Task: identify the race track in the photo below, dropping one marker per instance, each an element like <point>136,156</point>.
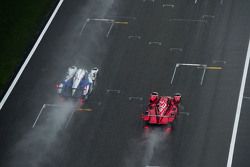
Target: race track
<point>137,45</point>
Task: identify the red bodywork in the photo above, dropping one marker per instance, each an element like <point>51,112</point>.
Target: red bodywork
<point>162,111</point>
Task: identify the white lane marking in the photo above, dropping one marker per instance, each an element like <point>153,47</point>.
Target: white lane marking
<point>30,55</point>
<point>110,21</point>
<point>95,19</point>
<point>238,110</point>
<point>105,20</point>
<point>207,16</point>
<point>84,25</point>
<point>110,28</point>
<point>203,75</point>
<point>43,107</point>
<point>135,98</point>
<point>175,49</point>
<point>149,0</point>
<point>71,115</point>
<point>38,116</point>
<point>219,61</point>
<point>184,113</point>
<point>246,97</point>
<point>204,66</point>
<point>168,5</point>
<point>134,36</point>
<point>195,1</point>
<point>154,42</point>
<point>174,73</point>
<point>53,105</point>
<point>188,20</point>
<point>188,64</point>
<point>113,90</point>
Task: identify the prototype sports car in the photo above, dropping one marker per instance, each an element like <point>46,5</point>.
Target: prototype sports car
<point>162,110</point>
<point>78,83</point>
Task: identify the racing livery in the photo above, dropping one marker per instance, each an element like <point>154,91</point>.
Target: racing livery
<point>162,110</point>
<point>78,83</point>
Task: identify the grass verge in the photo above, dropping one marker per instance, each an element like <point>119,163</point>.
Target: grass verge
<point>20,24</point>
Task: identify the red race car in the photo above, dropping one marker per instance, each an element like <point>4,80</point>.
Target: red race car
<point>162,110</point>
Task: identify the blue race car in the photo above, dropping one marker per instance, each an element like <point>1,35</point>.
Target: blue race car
<point>78,83</point>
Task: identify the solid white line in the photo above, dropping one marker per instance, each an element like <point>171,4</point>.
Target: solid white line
<point>38,116</point>
<point>30,55</point>
<point>238,111</point>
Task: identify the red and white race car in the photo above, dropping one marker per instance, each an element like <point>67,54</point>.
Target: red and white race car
<point>162,110</point>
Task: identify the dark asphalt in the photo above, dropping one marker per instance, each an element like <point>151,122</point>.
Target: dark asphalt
<point>112,135</point>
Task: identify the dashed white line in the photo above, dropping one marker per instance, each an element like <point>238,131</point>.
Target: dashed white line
<point>154,42</point>
<point>135,98</point>
<point>30,55</point>
<point>113,90</point>
<point>175,49</point>
<point>168,5</point>
<point>238,110</point>
<point>208,16</point>
<point>134,36</point>
<point>220,61</point>
<point>149,0</point>
<point>246,97</point>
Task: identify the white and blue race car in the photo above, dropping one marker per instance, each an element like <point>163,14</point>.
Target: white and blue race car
<point>78,83</point>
